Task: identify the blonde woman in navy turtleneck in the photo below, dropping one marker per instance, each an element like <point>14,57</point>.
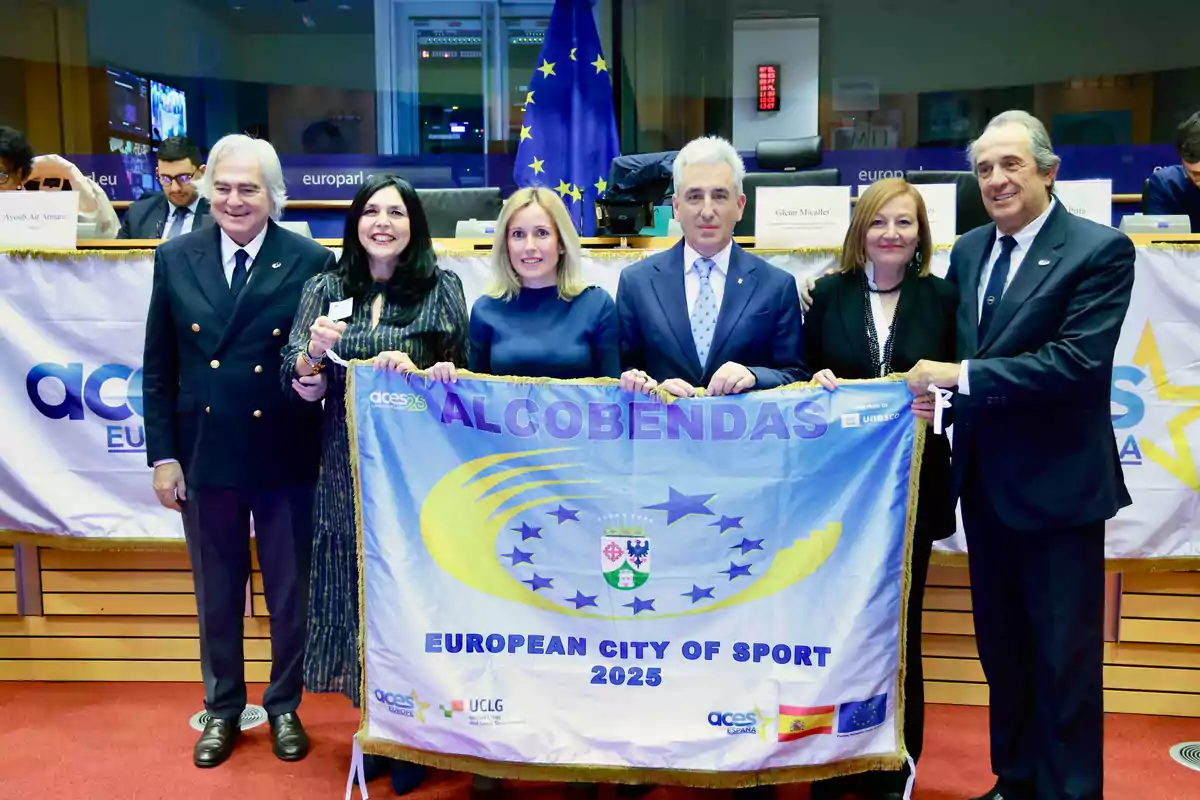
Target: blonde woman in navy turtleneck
<point>538,318</point>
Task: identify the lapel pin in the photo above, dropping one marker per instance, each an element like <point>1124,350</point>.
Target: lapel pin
<point>739,281</point>
<point>277,265</point>
<point>1044,262</point>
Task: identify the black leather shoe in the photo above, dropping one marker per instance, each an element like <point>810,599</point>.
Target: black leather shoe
<point>831,788</point>
<point>581,791</point>
<point>291,742</point>
<point>1002,792</point>
<point>484,788</point>
<point>216,743</point>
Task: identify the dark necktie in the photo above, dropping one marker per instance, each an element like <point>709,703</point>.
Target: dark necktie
<point>240,274</point>
<point>177,222</point>
<point>995,285</point>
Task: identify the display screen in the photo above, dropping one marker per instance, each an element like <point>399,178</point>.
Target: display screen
<point>768,87</point>
<point>137,160</point>
<point>128,103</point>
<point>168,111</point>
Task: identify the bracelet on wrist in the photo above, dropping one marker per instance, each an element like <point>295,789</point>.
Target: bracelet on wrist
<point>316,365</point>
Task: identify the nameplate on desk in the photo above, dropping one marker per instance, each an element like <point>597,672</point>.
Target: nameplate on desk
<point>801,216</point>
<point>1088,199</point>
<point>39,220</point>
<point>941,205</point>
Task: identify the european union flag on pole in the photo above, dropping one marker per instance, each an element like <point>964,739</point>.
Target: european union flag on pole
<point>862,715</point>
<point>569,131</point>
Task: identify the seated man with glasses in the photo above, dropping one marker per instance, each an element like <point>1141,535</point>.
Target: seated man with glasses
<point>21,171</point>
<point>179,208</point>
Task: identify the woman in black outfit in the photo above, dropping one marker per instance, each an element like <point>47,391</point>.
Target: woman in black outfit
<point>881,313</point>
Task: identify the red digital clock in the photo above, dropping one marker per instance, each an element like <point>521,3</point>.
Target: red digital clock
<point>768,87</point>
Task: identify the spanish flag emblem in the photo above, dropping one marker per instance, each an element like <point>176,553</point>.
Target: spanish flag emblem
<point>796,722</point>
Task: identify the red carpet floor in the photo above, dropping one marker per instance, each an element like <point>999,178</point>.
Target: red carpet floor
<point>131,742</point>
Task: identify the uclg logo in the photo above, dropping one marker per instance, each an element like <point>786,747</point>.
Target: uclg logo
<point>1129,389</point>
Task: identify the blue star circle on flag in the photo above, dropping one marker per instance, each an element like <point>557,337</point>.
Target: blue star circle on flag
<point>671,574</point>
<point>680,505</point>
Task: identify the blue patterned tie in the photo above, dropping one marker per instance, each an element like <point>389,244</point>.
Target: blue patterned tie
<point>177,222</point>
<point>704,311</point>
<point>995,285</point>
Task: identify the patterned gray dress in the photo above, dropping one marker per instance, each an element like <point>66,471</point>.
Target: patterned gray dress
<point>435,331</point>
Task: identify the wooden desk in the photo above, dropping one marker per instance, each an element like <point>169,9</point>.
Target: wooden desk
<point>589,243</point>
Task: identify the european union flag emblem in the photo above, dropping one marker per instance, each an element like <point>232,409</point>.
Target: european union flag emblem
<point>569,130</point>
<point>862,715</point>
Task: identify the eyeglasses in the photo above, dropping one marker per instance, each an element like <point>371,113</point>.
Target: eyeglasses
<point>182,180</point>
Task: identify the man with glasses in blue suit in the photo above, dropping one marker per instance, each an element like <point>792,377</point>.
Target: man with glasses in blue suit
<point>179,208</point>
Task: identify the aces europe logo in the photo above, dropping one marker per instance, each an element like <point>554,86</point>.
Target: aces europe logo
<point>112,392</point>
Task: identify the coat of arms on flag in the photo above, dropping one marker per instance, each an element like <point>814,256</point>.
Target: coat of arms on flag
<point>625,557</point>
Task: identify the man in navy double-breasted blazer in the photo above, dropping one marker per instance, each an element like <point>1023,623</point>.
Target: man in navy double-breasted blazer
<point>226,442</point>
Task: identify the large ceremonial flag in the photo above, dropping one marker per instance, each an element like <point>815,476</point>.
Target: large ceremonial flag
<point>564,580</point>
<point>569,131</point>
<point>72,465</point>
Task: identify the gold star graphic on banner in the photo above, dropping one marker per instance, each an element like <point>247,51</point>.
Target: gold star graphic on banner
<point>1182,465</point>
<point>547,68</point>
<point>529,98</point>
<point>575,193</point>
<point>600,65</point>
<point>563,189</point>
<point>526,132</point>
<point>419,711</point>
<point>536,166</point>
<point>573,49</point>
<point>601,185</point>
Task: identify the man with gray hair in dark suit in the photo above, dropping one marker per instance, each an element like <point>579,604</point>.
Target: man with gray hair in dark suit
<point>1042,298</point>
<point>224,439</point>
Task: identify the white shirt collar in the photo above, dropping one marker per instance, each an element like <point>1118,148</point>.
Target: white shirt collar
<point>173,209</point>
<point>1026,235</point>
<point>229,247</point>
<point>869,269</point>
<point>720,259</point>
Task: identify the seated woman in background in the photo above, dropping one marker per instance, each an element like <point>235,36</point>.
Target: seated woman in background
<point>881,313</point>
<point>20,170</point>
<point>538,319</point>
<point>406,314</point>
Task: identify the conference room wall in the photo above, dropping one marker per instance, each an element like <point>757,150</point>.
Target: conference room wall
<point>792,45</point>
<point>931,45</point>
<point>326,60</point>
<point>161,37</point>
<point>918,47</point>
<point>35,22</point>
<point>291,110</point>
<point>12,98</point>
<point>1046,59</point>
<point>1176,97</point>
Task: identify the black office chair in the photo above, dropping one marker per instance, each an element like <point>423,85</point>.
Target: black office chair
<point>791,162</point>
<point>445,207</point>
<point>636,184</point>
<point>969,209</point>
